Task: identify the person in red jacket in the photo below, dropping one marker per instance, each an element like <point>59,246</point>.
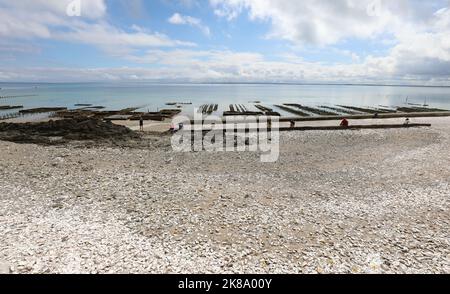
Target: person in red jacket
<point>344,123</point>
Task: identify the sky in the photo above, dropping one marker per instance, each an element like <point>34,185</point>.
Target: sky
<point>276,41</point>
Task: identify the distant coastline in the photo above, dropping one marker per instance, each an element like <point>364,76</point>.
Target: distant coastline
<point>333,84</point>
<point>228,83</point>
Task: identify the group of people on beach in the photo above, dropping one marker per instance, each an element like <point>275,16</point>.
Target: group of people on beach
<point>172,129</point>
<point>344,123</point>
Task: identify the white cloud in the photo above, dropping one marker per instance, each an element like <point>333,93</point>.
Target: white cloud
<point>108,37</point>
<point>227,66</point>
<point>181,65</point>
<point>419,31</point>
<point>91,9</point>
<point>323,22</point>
<point>47,19</point>
<point>178,19</point>
<point>195,58</point>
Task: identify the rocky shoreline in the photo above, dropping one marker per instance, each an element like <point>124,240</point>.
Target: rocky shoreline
<point>55,132</point>
<point>369,201</point>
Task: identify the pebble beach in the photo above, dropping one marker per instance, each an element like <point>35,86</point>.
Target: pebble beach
<point>366,201</point>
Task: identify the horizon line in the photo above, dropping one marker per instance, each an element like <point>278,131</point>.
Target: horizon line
<point>233,83</point>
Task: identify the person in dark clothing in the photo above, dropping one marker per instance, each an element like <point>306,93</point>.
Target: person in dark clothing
<point>407,122</point>
<point>141,124</point>
<point>292,124</point>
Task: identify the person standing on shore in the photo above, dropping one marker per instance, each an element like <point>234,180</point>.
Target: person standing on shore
<point>141,124</point>
<point>344,123</point>
<point>407,122</point>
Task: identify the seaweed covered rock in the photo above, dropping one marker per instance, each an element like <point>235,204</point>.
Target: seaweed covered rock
<point>64,130</point>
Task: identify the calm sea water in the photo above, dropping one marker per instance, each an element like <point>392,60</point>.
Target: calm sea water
<point>153,97</point>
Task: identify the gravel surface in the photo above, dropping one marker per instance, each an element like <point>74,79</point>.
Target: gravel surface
<point>370,201</point>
